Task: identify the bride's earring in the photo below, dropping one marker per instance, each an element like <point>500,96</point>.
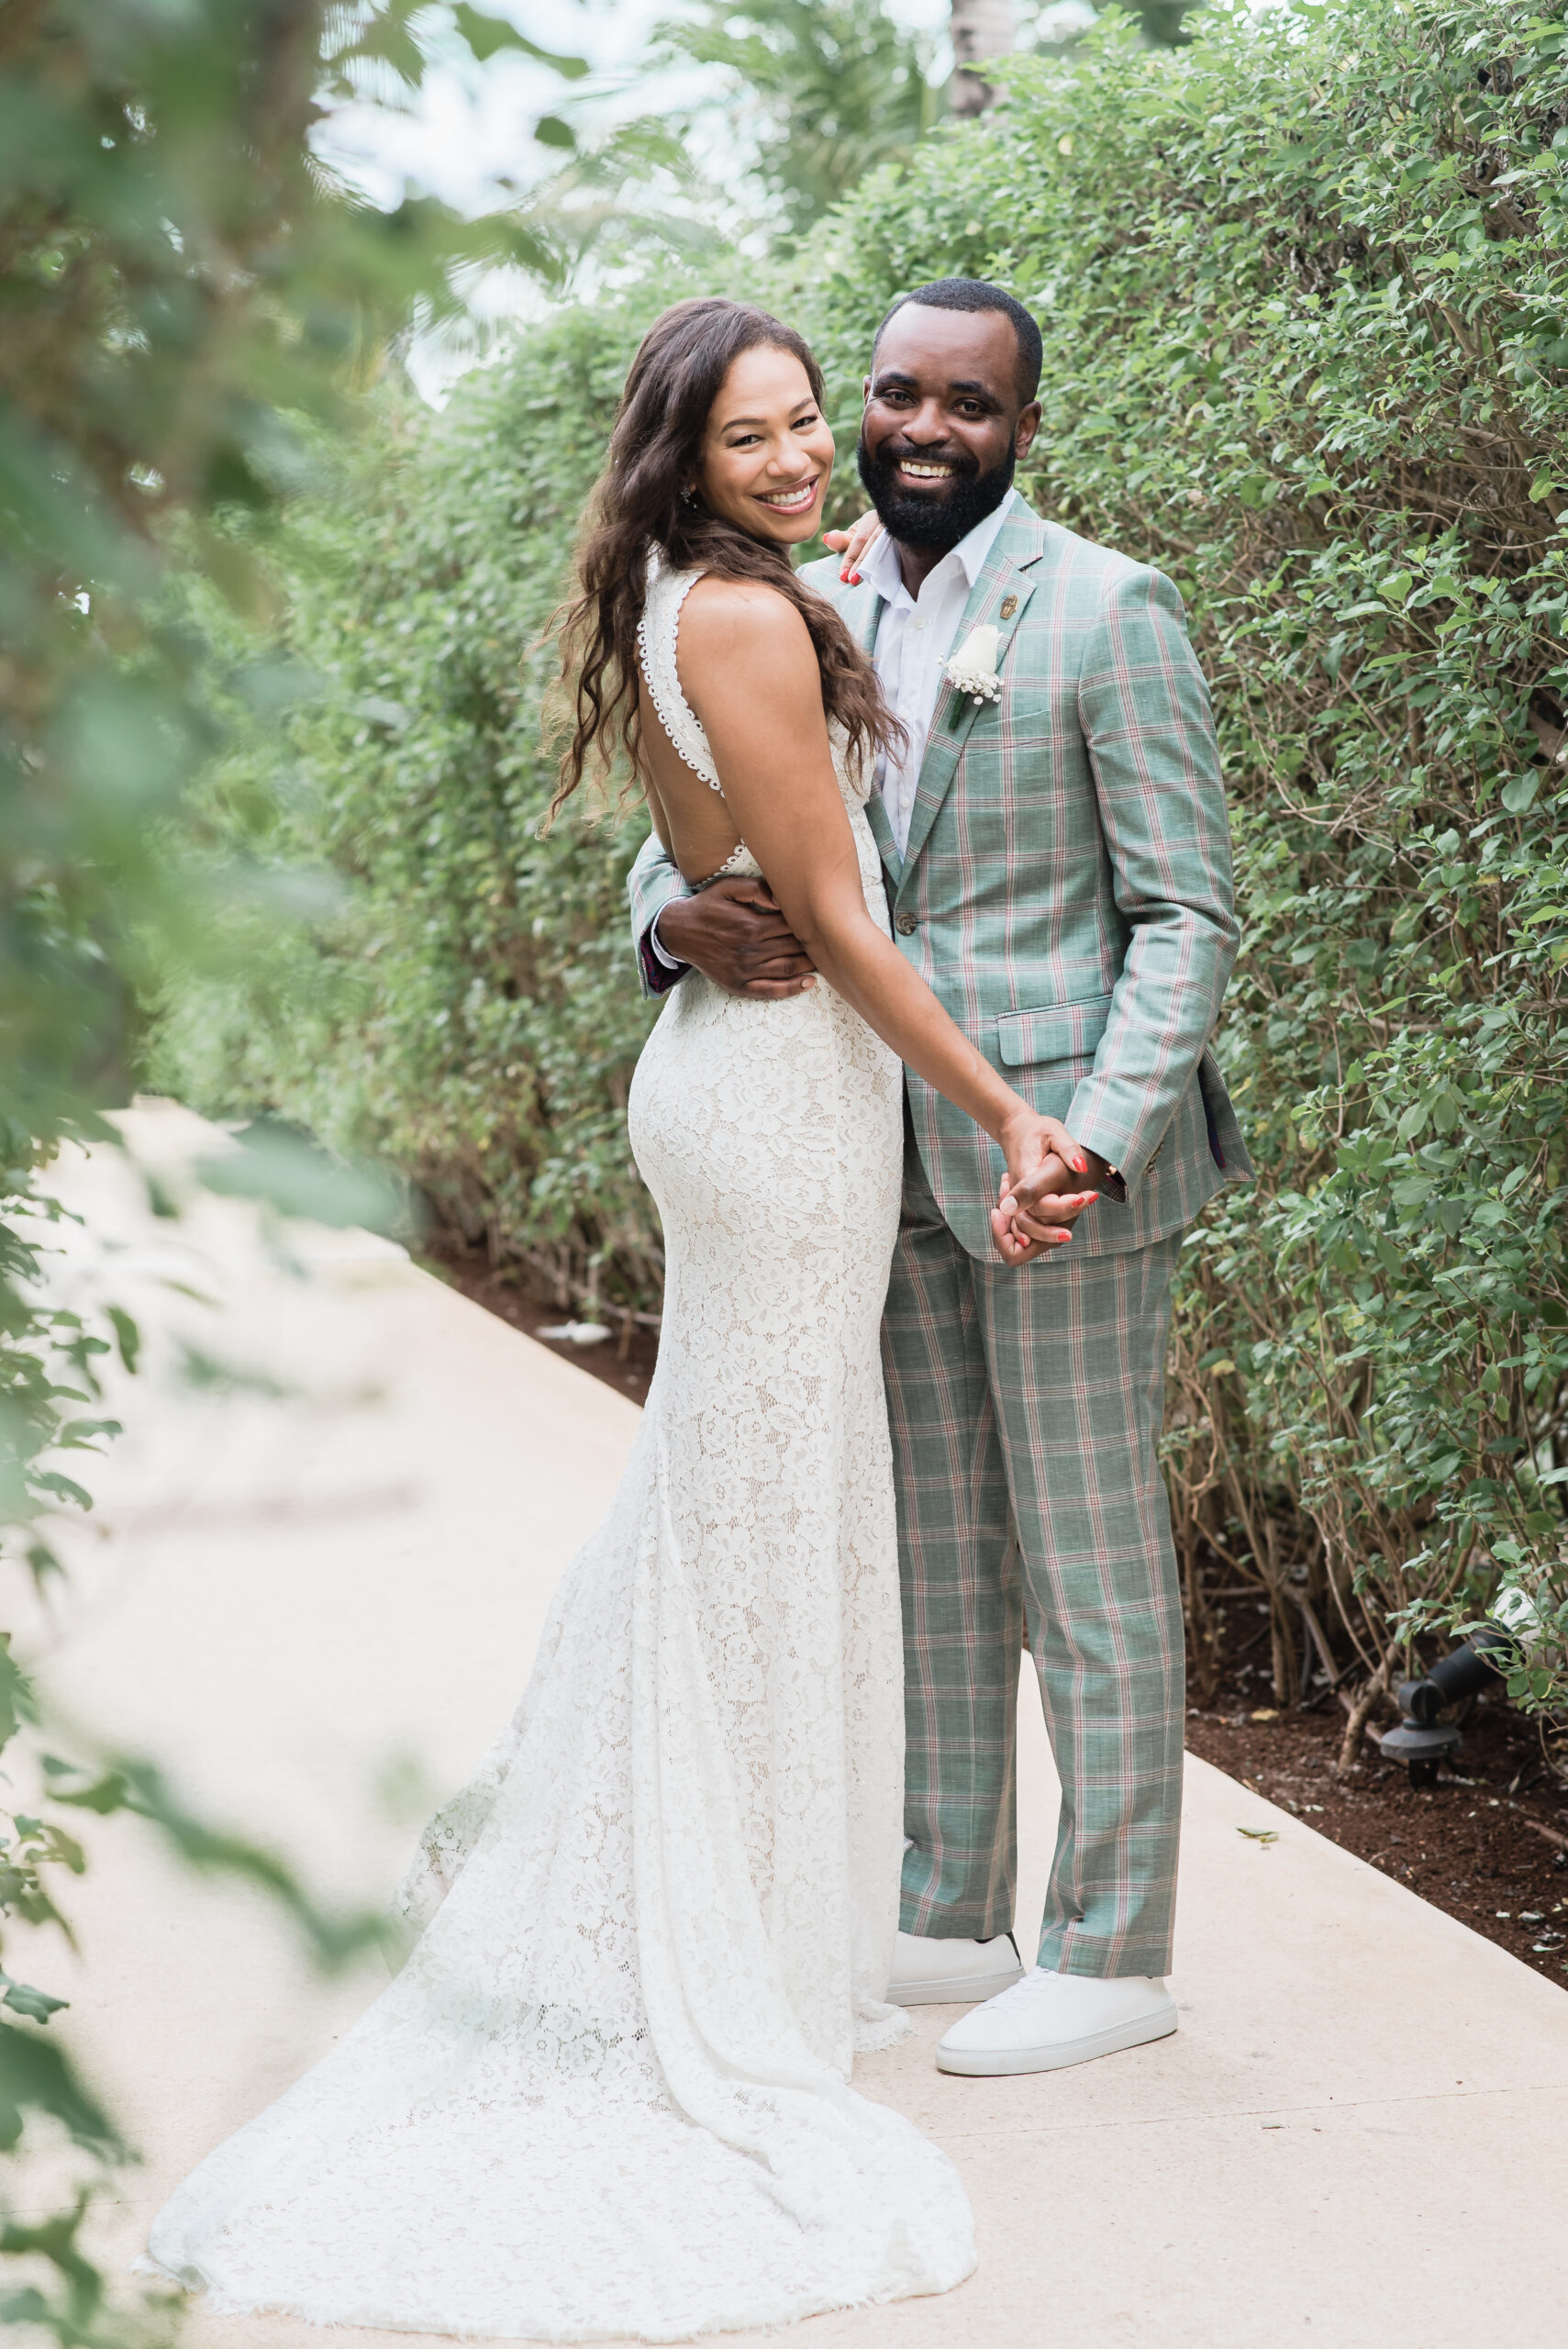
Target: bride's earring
<point>688,495</point>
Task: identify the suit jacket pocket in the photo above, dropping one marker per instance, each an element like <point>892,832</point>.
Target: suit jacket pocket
<point>1063,1031</point>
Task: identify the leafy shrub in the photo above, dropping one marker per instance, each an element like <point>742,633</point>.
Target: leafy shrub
<point>175,286</point>
<point>466,1009</point>
<point>1303,292</point>
<point>1306,320</point>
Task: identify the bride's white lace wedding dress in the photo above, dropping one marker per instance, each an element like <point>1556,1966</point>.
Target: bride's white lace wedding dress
<point>607,2094</point>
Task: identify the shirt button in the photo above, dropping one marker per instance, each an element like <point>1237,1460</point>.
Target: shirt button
<point>906,925</point>
<point>918,621</point>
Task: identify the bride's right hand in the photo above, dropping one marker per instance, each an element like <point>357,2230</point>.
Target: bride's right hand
<point>854,545</point>
<point>1042,1159</point>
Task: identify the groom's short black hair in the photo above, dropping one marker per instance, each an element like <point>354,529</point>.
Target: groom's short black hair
<point>979,294</point>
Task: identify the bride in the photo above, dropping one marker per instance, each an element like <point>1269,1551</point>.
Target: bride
<point>608,2092</point>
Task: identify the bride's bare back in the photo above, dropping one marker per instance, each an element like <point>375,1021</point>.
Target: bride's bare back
<point>689,812</point>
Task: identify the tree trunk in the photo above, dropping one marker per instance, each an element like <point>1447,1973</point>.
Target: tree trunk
<point>980,28</point>
<point>1360,1712</point>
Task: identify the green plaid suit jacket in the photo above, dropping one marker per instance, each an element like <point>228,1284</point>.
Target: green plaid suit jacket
<point>1066,891</point>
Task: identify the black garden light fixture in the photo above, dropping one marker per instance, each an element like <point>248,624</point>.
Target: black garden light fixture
<point>1421,1740</point>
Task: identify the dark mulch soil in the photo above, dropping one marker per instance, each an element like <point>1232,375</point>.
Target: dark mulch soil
<point>628,1368</point>
<point>1465,1844</point>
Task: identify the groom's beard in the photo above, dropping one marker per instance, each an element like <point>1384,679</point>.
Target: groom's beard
<point>921,520</point>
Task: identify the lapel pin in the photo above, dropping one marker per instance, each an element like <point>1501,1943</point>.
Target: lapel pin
<point>1009,606</point>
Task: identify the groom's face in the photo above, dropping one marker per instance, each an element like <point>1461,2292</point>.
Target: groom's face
<point>944,422</point>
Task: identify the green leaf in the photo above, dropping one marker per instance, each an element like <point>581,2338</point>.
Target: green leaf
<point>550,131</point>
<point>289,1173</point>
<point>37,2075</point>
<point>127,1334</point>
<point>36,2004</point>
<point>15,1693</point>
<point>1519,792</point>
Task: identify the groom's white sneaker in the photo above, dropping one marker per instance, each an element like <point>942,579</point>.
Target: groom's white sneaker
<point>1047,2021</point>
<point>946,1974</point>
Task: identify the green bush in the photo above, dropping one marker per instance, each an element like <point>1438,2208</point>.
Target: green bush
<point>1303,295</point>
<point>1305,319</point>
<point>177,286</point>
<point>466,1008</point>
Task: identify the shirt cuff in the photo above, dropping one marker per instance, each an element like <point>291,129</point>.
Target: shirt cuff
<point>670,961</point>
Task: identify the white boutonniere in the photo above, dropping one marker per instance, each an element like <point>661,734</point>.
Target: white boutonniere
<point>972,668</point>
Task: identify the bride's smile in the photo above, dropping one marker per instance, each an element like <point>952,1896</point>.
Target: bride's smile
<point>767,454</point>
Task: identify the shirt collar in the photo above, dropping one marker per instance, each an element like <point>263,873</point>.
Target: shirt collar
<point>881,572</point>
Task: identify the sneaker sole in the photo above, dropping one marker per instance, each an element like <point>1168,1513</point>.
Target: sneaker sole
<point>954,1989</point>
<point>1002,2061</point>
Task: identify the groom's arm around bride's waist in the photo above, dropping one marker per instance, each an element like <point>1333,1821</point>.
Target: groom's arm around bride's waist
<point>742,941</point>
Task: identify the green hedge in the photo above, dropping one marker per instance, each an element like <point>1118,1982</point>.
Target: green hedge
<point>465,1008</point>
<point>1305,318</point>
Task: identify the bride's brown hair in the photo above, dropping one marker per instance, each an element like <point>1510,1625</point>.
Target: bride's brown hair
<point>637,505</point>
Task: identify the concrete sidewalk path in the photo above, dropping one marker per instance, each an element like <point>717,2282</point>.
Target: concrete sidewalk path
<point>317,1571</point>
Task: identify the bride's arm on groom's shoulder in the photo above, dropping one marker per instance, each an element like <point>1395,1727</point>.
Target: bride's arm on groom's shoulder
<point>749,670</point>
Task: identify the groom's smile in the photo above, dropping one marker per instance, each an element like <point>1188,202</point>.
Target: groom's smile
<point>946,419</point>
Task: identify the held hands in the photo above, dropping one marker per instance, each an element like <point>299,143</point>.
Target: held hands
<point>1036,1204</point>
<point>854,545</point>
<point>736,935</point>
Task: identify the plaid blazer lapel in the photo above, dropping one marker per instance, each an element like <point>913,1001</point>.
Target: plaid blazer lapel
<point>860,608</point>
<point>882,833</point>
<point>1020,543</point>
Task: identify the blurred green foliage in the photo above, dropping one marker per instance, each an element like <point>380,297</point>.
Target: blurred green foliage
<point>182,290</point>
<point>463,1009</point>
<point>1305,305</point>
<point>819,93</point>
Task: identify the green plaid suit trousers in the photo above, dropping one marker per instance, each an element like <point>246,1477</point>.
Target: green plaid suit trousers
<point>1025,1411</point>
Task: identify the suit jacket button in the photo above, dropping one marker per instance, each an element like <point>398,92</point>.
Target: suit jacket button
<point>906,925</point>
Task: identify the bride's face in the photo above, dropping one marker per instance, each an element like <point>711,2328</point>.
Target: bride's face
<point>767,454</point>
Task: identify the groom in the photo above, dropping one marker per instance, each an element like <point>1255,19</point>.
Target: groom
<point>1058,869</point>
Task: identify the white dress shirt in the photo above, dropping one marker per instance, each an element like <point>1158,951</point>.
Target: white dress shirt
<point>914,638</point>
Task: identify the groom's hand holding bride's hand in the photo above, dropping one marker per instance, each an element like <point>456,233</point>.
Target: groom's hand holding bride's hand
<point>1041,1196</point>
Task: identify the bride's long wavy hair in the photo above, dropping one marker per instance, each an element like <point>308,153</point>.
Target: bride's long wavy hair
<point>637,505</point>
